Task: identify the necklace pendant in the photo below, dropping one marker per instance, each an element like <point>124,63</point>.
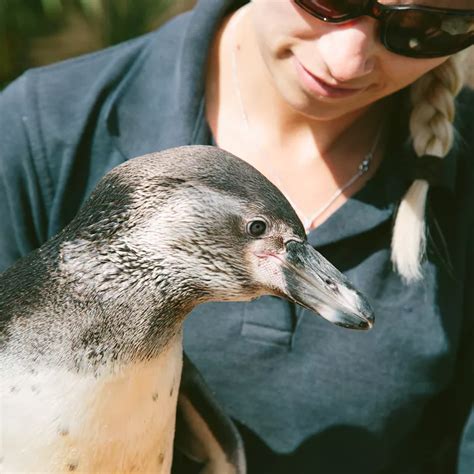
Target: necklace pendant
<point>364,166</point>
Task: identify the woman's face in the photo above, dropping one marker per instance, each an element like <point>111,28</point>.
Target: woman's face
<point>327,70</point>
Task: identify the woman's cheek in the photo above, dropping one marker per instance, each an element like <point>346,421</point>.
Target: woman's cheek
<point>399,71</point>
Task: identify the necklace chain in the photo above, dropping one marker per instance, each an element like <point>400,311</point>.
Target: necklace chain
<point>363,167</point>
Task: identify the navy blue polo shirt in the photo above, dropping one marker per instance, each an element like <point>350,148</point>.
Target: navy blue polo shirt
<point>307,396</point>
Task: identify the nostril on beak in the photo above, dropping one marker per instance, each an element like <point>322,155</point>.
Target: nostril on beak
<point>331,285</point>
<point>292,241</point>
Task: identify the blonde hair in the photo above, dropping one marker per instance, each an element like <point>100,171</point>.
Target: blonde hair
<point>431,129</point>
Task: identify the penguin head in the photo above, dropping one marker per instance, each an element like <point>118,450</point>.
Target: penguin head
<point>196,224</point>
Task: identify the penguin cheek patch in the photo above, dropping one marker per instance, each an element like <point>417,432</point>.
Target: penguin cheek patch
<point>267,271</point>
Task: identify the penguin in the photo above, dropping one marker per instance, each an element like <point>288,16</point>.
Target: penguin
<point>91,322</point>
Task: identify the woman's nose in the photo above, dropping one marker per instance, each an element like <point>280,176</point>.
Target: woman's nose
<point>348,50</point>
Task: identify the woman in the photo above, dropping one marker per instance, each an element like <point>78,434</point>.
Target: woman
<point>348,107</point>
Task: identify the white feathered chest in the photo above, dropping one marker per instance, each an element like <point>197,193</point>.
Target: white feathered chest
<point>59,421</point>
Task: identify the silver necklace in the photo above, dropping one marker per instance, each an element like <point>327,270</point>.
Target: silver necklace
<point>363,167</point>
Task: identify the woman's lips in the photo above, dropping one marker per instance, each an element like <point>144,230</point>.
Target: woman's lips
<point>319,87</point>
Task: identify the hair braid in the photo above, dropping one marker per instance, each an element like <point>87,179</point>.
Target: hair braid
<point>431,128</point>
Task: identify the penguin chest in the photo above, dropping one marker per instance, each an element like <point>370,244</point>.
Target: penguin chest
<point>124,421</point>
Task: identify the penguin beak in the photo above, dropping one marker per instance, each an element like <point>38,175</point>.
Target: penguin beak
<point>314,283</point>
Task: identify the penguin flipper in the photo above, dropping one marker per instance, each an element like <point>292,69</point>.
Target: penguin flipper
<point>204,433</point>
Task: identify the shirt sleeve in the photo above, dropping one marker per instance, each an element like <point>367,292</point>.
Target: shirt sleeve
<point>466,385</point>
<point>24,182</point>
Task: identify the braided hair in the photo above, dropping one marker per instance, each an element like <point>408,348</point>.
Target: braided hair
<point>431,129</point>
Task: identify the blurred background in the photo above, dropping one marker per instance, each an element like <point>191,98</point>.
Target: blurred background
<point>38,32</point>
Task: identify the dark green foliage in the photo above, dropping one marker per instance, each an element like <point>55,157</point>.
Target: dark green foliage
<point>36,32</point>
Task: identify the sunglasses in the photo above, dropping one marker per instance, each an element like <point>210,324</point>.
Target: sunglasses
<point>410,30</point>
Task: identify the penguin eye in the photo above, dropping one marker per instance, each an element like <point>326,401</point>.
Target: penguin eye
<point>256,228</point>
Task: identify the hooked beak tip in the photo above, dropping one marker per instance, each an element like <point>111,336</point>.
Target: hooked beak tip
<point>358,314</point>
<point>363,324</point>
<point>346,318</point>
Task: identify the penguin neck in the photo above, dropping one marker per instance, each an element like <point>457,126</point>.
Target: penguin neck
<point>139,314</point>
<point>129,333</point>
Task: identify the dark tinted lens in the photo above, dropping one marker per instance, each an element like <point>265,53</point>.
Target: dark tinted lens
<point>424,34</point>
<point>334,10</point>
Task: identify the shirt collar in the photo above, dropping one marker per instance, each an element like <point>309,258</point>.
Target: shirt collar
<point>159,104</point>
